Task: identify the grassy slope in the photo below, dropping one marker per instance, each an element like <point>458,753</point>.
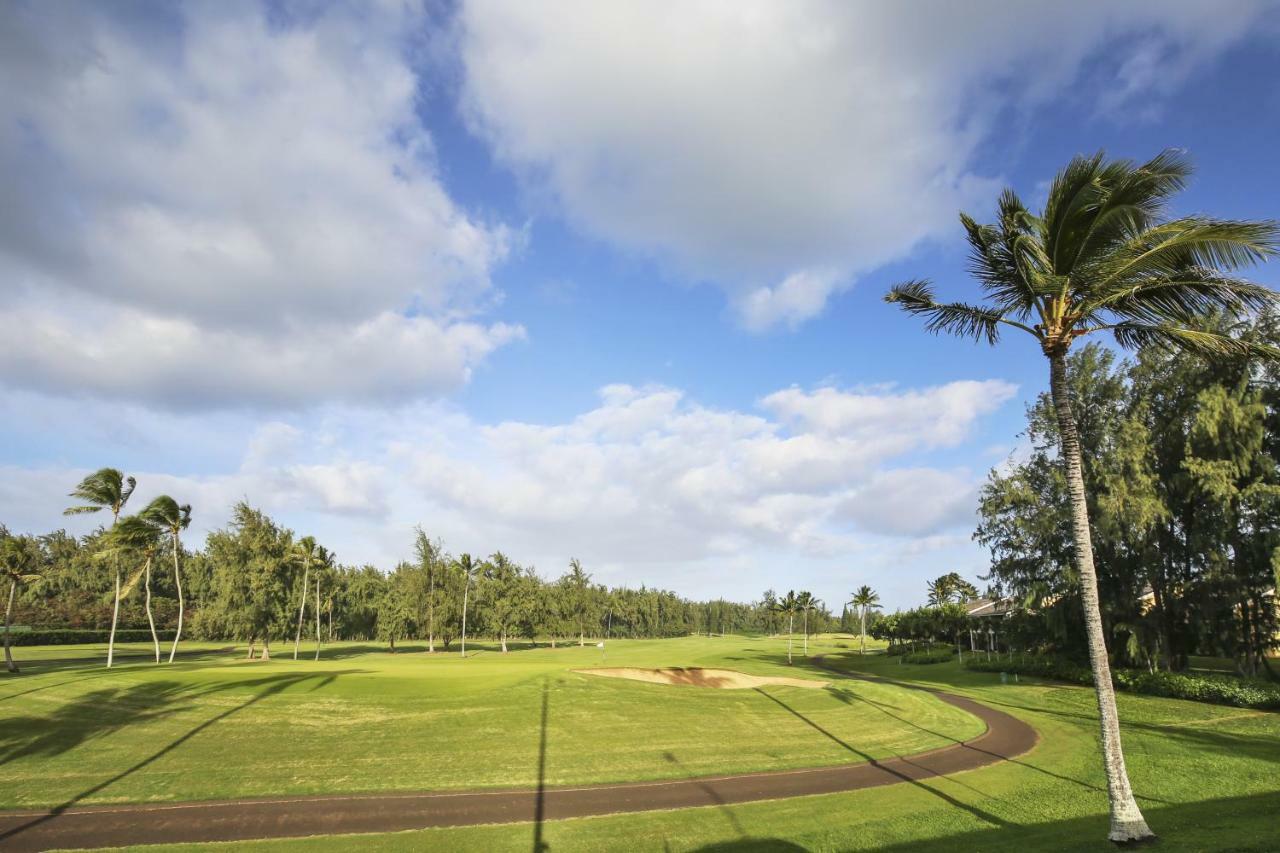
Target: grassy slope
<point>1206,777</point>
<point>359,720</point>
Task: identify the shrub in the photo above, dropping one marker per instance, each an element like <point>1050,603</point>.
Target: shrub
<point>73,636</point>
<point>1198,687</point>
<point>942,656</point>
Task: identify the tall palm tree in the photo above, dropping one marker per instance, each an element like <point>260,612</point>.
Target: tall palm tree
<point>864,599</point>
<point>806,602</point>
<point>105,488</point>
<point>789,604</point>
<point>309,554</point>
<point>171,518</point>
<point>469,568</point>
<point>135,536</point>
<point>19,564</point>
<point>1104,255</point>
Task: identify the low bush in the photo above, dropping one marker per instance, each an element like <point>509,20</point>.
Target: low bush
<point>1198,687</point>
<point>73,636</point>
<point>942,656</point>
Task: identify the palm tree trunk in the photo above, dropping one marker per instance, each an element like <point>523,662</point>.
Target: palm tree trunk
<point>266,649</point>
<point>466,590</point>
<point>317,618</point>
<point>862,637</point>
<point>155,638</point>
<point>8,614</point>
<point>504,641</point>
<point>1127,823</point>
<point>302,607</point>
<point>791,629</point>
<point>115,619</point>
<point>177,582</point>
<point>431,614</point>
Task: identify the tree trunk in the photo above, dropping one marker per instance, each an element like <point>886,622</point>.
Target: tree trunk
<point>317,618</point>
<point>791,629</point>
<point>862,637</point>
<point>331,620</point>
<point>806,633</point>
<point>504,641</point>
<point>115,619</point>
<point>250,655</point>
<point>431,613</point>
<point>582,637</point>
<point>177,582</point>
<point>466,590</point>
<point>8,614</point>
<point>1127,823</point>
<point>155,638</point>
<point>266,649</point>
<point>302,608</point>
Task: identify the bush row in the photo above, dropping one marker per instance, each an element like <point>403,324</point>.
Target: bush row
<point>942,656</point>
<point>72,636</point>
<point>1199,687</point>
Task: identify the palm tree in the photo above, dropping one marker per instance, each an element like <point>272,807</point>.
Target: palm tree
<point>19,564</point>
<point>309,554</point>
<point>171,518</point>
<point>788,605</point>
<point>806,602</point>
<point>1104,256</point>
<point>105,488</point>
<point>134,535</point>
<point>468,567</point>
<point>864,599</point>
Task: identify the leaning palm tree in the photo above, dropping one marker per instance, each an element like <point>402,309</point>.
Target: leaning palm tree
<point>865,599</point>
<point>1104,255</point>
<point>171,518</point>
<point>469,569</point>
<point>110,489</point>
<point>789,604</point>
<point>19,564</point>
<point>134,536</point>
<point>309,554</point>
<point>806,602</point>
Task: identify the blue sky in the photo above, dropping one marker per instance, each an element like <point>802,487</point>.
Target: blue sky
<point>601,280</point>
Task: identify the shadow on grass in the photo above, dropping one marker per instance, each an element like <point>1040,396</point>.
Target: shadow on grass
<point>104,712</point>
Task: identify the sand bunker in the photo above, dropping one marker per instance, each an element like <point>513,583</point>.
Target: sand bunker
<point>697,677</point>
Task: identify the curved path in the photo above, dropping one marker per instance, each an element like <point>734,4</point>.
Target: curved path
<point>238,820</point>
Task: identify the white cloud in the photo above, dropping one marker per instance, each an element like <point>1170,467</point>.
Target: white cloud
<point>221,208</point>
<point>780,149</point>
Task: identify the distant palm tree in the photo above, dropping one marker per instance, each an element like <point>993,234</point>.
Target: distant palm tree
<point>789,604</point>
<point>864,599</point>
<point>19,564</point>
<point>171,518</point>
<point>309,554</point>
<point>105,488</point>
<point>1104,256</point>
<point>469,568</point>
<point>806,602</point>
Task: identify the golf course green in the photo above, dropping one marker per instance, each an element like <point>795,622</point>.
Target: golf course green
<point>215,726</point>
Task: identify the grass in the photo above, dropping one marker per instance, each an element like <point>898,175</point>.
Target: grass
<point>216,726</point>
<point>1206,776</point>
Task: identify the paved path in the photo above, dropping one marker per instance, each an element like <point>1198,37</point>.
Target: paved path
<point>107,826</point>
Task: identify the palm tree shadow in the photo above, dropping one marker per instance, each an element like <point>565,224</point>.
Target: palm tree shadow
<point>710,792</point>
<point>161,692</point>
<point>981,814</point>
<point>539,809</point>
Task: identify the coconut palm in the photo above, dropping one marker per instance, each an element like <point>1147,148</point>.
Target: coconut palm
<point>806,602</point>
<point>133,535</point>
<point>789,604</point>
<point>865,599</point>
<point>1103,255</point>
<point>171,518</point>
<point>308,554</point>
<point>19,564</point>
<point>469,568</point>
<point>105,488</point>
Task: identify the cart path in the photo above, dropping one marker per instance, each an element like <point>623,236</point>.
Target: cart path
<point>282,817</point>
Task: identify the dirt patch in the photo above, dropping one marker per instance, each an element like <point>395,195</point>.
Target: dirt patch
<point>697,677</point>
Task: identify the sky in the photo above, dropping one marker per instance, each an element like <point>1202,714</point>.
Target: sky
<point>565,279</point>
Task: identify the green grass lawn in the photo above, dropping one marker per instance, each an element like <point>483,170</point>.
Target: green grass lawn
<point>1208,777</point>
<point>361,719</point>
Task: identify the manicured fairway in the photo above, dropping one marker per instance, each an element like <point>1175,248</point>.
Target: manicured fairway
<point>363,720</point>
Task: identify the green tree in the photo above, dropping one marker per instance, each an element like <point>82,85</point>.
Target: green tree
<point>469,569</point>
<point>171,518</point>
<point>134,536</point>
<point>20,563</point>
<point>788,605</point>
<point>865,599</point>
<point>106,488</point>
<point>578,585</point>
<point>806,602</point>
<point>1103,256</point>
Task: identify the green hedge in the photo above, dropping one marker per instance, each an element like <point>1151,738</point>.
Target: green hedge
<point>1198,687</point>
<point>930,657</point>
<point>74,636</point>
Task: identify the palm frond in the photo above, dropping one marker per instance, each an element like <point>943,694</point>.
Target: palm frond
<point>1170,247</point>
<point>966,321</point>
<point>1198,341</point>
<point>1193,293</point>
